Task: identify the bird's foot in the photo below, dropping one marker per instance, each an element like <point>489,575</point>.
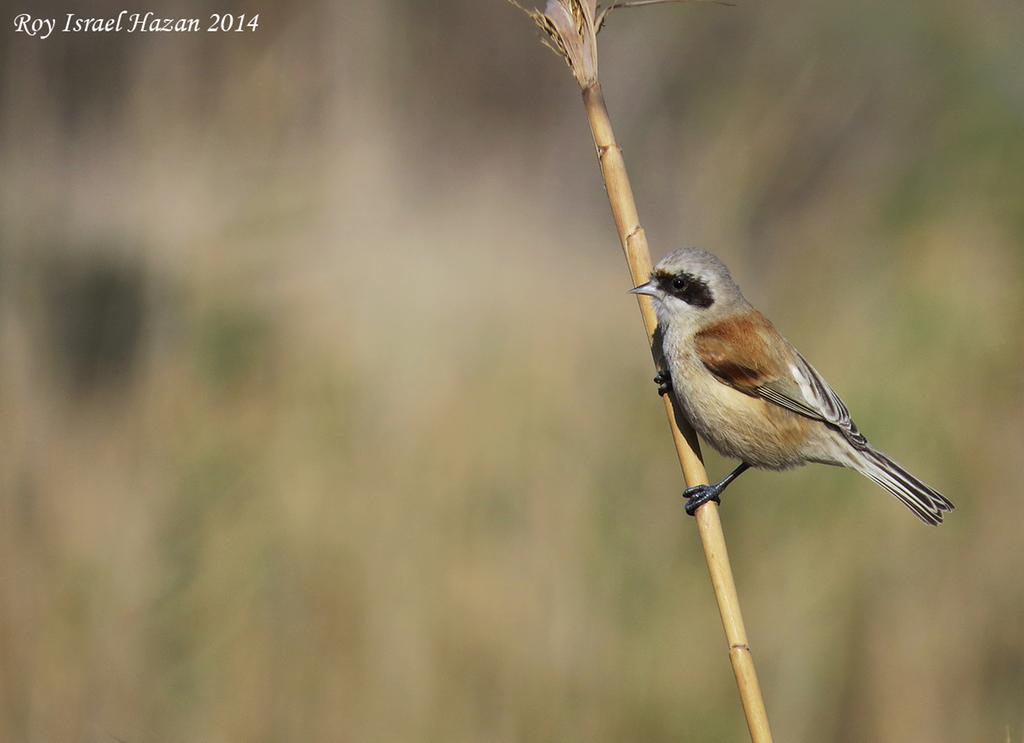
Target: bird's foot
<point>664,382</point>
<point>698,495</point>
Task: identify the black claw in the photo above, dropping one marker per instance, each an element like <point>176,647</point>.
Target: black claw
<point>664,382</point>
<point>698,495</point>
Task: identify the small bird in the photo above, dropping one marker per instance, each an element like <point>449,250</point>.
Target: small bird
<point>749,393</point>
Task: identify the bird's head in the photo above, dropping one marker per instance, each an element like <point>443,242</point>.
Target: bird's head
<point>692,286</point>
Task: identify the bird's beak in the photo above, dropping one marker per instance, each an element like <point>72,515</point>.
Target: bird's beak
<point>648,289</point>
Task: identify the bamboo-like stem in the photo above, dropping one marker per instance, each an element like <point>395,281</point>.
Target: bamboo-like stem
<point>571,27</point>
<point>634,244</point>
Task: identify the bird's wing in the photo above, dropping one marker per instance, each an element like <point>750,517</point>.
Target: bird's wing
<point>747,353</point>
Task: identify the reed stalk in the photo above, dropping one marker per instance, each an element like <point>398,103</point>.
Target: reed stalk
<point>571,28</point>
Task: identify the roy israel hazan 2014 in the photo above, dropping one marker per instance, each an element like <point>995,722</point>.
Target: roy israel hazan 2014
<point>125,21</point>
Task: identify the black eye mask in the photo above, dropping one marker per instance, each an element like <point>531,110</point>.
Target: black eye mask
<point>685,286</point>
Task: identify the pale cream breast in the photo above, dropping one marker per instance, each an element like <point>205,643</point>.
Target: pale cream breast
<point>737,425</point>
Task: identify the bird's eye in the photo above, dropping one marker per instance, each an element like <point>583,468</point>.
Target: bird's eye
<point>678,283</point>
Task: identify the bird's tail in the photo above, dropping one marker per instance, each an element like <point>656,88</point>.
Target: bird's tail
<point>926,503</point>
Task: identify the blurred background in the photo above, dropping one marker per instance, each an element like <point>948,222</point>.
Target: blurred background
<point>325,414</point>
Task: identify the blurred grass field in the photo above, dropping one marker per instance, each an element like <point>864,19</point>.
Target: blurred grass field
<point>325,415</point>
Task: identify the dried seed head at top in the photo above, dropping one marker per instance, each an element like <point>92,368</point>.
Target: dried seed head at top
<point>571,27</point>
